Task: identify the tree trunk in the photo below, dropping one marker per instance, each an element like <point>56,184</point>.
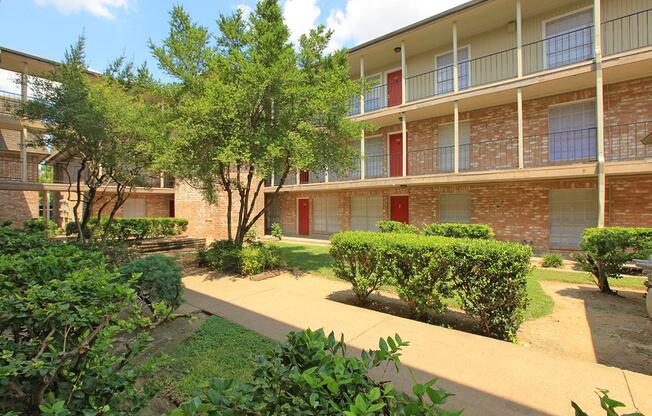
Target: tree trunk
<point>603,284</point>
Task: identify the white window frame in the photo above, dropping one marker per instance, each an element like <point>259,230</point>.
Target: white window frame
<point>367,170</point>
<point>468,48</point>
<point>544,35</point>
<point>369,227</point>
<point>468,156</point>
<point>330,216</point>
<point>379,77</point>
<point>550,216</point>
<point>551,133</point>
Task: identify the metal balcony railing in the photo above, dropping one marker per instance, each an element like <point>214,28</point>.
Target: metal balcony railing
<point>626,33</point>
<point>9,102</point>
<point>624,141</point>
<point>383,165</point>
<point>376,98</point>
<point>558,50</point>
<point>560,148</point>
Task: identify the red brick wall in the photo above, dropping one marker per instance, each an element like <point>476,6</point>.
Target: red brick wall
<point>629,201</point>
<point>18,206</point>
<point>156,205</point>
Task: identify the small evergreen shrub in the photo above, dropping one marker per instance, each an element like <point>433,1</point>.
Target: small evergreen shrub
<point>277,232</point>
<point>481,231</point>
<point>134,228</point>
<point>252,259</point>
<point>157,279</point>
<point>312,374</point>
<point>552,260</point>
<point>40,225</point>
<point>606,250</point>
<point>389,226</point>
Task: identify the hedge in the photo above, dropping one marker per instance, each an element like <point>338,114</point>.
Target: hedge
<point>135,228</point>
<point>481,231</point>
<point>605,251</point>
<point>390,226</point>
<point>487,277</point>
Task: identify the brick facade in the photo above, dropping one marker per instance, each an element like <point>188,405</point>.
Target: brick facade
<point>18,206</point>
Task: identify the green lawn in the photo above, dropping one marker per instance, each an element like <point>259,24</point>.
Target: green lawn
<point>315,259</point>
<point>218,349</point>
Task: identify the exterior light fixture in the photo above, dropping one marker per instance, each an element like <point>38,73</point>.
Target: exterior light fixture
<point>397,49</point>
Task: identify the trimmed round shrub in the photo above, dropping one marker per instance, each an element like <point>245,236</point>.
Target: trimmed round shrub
<point>552,260</point>
<point>390,226</point>
<point>158,279</point>
<point>481,231</point>
<point>225,256</point>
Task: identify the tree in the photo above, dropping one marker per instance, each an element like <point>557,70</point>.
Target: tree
<point>248,105</point>
<point>106,126</point>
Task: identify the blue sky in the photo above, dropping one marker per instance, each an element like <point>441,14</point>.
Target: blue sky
<point>114,27</point>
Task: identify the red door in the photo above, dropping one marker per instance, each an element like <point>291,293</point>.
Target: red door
<point>172,208</point>
<point>396,154</point>
<point>304,176</point>
<point>400,209</point>
<point>304,216</point>
<point>394,88</point>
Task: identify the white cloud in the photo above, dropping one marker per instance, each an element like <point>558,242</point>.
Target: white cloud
<point>100,8</point>
<point>300,16</point>
<point>245,8</point>
<point>361,20</point>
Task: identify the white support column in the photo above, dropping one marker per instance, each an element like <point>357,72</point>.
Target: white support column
<point>456,134</point>
<point>326,176</point>
<point>298,175</point>
<point>362,79</point>
<point>161,180</point>
<point>519,40</point>
<point>46,205</point>
<point>404,143</point>
<point>23,131</point>
<point>362,162</point>
<point>272,180</point>
<point>519,110</point>
<point>456,86</point>
<point>403,73</point>
<point>599,104</point>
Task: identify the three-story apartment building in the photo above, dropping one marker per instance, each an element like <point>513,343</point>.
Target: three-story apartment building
<point>526,115</point>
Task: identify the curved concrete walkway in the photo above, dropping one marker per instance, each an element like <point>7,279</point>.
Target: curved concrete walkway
<point>488,377</point>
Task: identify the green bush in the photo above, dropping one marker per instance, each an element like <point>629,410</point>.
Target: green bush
<point>277,232</point>
<point>254,258</point>
<point>609,405</point>
<point>480,231</point>
<point>552,260</point>
<point>606,250</point>
<point>158,280</point>
<point>64,318</point>
<point>13,241</point>
<point>389,226</point>
<point>40,225</point>
<point>311,374</point>
<point>134,228</point>
<point>488,277</point>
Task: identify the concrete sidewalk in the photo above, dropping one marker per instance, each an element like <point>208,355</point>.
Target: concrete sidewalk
<point>488,377</point>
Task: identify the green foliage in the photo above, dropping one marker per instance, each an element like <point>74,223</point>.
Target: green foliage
<point>254,104</point>
<point>606,250</point>
<point>40,225</point>
<point>7,223</point>
<point>481,231</point>
<point>225,256</point>
<point>63,313</point>
<point>311,374</point>
<point>14,241</point>
<point>277,232</point>
<point>609,405</point>
<point>134,228</point>
<point>487,277</point>
<point>552,260</point>
<point>158,280</point>
<point>389,226</point>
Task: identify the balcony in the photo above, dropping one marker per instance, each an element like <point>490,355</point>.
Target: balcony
<point>9,102</point>
<point>622,34</point>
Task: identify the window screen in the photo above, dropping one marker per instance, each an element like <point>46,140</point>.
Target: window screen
<point>366,211</point>
<point>375,160</point>
<point>444,72</point>
<point>571,211</point>
<point>134,208</point>
<point>573,131</point>
<point>325,215</point>
<point>455,207</point>
<point>446,139</point>
<point>569,39</point>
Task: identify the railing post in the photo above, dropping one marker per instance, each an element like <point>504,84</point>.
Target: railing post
<point>161,180</point>
<point>519,40</point>
<point>362,164</point>
<point>456,137</point>
<point>46,205</point>
<point>23,131</point>
<point>519,110</point>
<point>456,86</point>
<point>404,143</point>
<point>326,176</point>
<point>599,104</point>
<point>362,79</point>
<point>403,73</point>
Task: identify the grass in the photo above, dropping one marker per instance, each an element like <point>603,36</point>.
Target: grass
<point>219,348</point>
<point>315,259</point>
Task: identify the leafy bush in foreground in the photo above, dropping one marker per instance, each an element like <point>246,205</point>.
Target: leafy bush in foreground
<point>552,260</point>
<point>225,256</point>
<point>311,374</point>
<point>277,232</point>
<point>481,231</point>
<point>389,226</point>
<point>606,250</point>
<point>487,277</point>
<point>609,405</point>
<point>40,225</point>
<point>158,279</point>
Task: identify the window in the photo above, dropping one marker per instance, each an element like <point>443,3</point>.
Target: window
<point>446,139</point>
<point>572,131</point>
<point>374,99</point>
<point>272,214</point>
<point>325,215</point>
<point>571,211</point>
<point>444,71</point>
<point>455,207</point>
<point>374,163</point>
<point>366,211</point>
<point>569,39</point>
<point>133,208</point>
